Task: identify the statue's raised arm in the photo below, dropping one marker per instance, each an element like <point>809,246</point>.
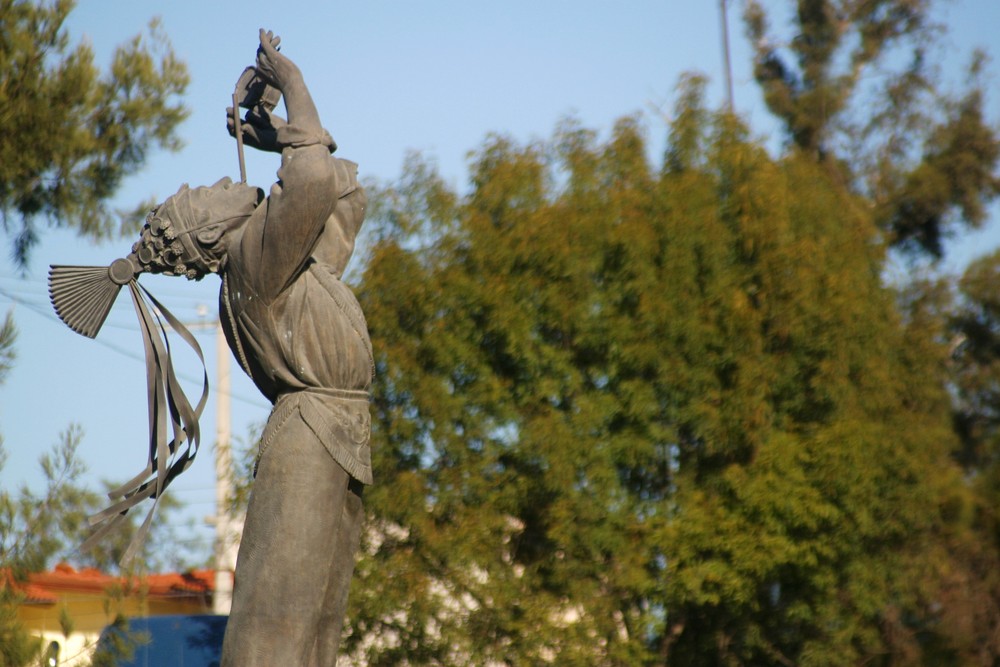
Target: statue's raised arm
<point>279,239</point>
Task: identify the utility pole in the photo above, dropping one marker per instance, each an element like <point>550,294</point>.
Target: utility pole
<point>727,66</point>
<point>228,528</point>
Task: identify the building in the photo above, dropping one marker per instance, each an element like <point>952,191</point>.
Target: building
<point>68,608</point>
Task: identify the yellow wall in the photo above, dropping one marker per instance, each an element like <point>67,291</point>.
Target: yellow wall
<point>89,613</point>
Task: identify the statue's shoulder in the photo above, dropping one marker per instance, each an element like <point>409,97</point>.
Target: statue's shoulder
<point>347,174</point>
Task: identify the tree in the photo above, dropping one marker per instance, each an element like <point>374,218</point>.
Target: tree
<point>974,327</point>
<point>71,133</point>
<point>966,314</point>
<point>853,87</point>
<point>638,416</point>
<point>166,548</point>
<point>39,528</point>
<point>30,526</point>
<point>16,648</point>
<point>35,527</point>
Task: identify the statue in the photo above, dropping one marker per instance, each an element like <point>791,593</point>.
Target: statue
<point>297,331</point>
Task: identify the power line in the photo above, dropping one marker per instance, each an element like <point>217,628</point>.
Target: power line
<point>46,314</point>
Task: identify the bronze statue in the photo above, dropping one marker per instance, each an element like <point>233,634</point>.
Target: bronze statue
<point>299,333</point>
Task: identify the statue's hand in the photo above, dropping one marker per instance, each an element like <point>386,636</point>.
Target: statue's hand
<point>274,68</point>
<point>260,128</point>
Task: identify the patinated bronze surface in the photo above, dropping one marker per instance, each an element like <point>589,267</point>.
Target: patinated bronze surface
<point>299,333</point>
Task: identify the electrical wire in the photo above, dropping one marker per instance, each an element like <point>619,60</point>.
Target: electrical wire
<point>45,313</point>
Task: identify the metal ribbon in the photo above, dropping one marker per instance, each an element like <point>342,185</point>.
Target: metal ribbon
<point>167,402</point>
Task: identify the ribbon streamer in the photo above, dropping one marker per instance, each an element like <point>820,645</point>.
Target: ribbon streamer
<point>170,410</point>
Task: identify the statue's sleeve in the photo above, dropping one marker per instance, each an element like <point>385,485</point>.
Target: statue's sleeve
<point>276,246</point>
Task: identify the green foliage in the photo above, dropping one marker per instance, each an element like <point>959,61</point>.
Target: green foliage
<point>159,552</point>
<point>835,42</point>
<point>17,648</point>
<point>629,416</point>
<point>975,326</point>
<point>38,528</point>
<point>971,324</point>
<point>71,133</point>
<point>35,527</point>
<point>8,334</point>
<point>854,86</point>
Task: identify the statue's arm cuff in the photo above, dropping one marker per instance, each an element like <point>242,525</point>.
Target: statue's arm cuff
<point>295,137</point>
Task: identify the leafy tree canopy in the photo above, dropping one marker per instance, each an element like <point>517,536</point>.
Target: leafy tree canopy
<point>72,133</point>
<point>854,85</point>
<point>633,415</point>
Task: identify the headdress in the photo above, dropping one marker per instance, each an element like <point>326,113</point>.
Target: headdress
<point>172,241</point>
<point>165,244</point>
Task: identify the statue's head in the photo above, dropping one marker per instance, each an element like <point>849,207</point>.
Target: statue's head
<point>189,233</point>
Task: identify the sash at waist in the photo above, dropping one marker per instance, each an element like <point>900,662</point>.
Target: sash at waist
<point>340,420</point>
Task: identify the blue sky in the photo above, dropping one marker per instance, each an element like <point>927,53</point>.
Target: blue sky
<point>388,77</point>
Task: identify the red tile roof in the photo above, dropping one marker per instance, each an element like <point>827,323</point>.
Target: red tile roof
<point>45,587</point>
<point>37,595</point>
